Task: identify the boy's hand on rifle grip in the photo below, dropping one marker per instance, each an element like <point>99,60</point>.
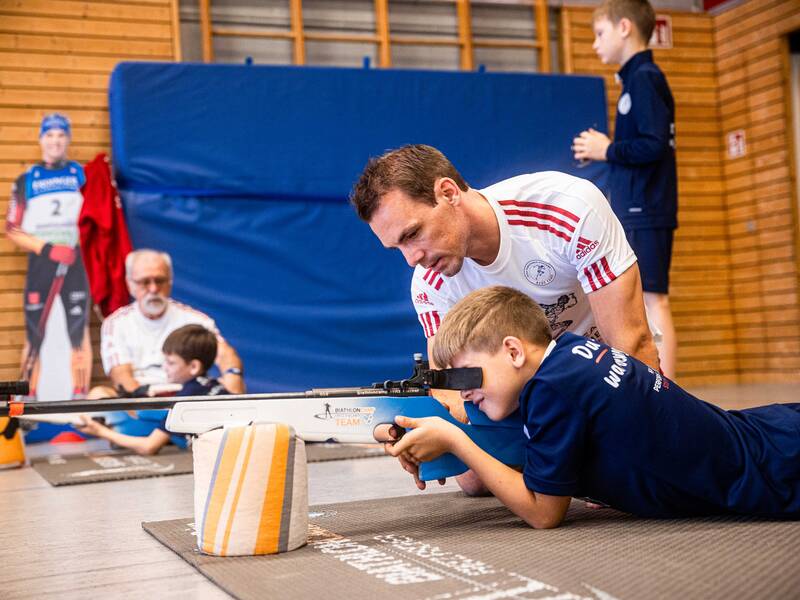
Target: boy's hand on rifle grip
<point>408,460</point>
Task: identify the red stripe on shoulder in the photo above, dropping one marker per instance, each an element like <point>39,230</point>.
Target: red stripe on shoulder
<point>539,215</point>
<point>528,204</point>
<point>120,312</point>
<point>598,274</point>
<point>607,269</point>
<point>189,309</point>
<point>424,325</point>
<point>433,279</point>
<point>430,322</point>
<point>542,226</point>
<point>588,274</point>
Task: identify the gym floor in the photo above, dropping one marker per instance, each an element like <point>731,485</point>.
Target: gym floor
<point>64,542</point>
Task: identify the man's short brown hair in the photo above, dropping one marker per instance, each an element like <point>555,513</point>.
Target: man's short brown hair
<point>482,319</point>
<point>412,169</point>
<point>639,12</point>
<point>192,342</point>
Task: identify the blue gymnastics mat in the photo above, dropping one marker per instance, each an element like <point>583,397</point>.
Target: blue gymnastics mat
<point>243,173</point>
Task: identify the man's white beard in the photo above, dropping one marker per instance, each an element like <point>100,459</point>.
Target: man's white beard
<point>154,305</point>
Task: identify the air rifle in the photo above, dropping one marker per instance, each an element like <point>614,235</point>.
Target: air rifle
<point>356,414</point>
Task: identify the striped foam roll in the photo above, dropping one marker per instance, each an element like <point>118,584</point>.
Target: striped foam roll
<point>250,490</point>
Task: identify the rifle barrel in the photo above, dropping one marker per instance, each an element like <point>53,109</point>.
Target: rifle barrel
<point>16,409</point>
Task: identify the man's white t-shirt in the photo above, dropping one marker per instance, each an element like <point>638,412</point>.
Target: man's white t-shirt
<point>128,337</point>
<point>559,241</point>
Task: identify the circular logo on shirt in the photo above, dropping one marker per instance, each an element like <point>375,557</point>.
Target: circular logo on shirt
<point>539,272</point>
<point>624,104</point>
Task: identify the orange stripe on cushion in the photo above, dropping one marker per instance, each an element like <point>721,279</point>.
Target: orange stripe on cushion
<point>219,491</point>
<point>269,527</point>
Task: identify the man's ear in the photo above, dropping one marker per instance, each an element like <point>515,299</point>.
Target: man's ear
<point>515,350</point>
<point>447,190</point>
<point>195,367</point>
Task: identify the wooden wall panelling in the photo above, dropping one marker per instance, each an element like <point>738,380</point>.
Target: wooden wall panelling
<point>464,39</point>
<point>759,187</point>
<point>702,306</point>
<point>57,55</point>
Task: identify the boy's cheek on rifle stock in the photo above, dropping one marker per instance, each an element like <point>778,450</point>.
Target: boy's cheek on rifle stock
<point>453,402</point>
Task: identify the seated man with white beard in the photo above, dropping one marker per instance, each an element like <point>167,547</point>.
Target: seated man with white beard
<point>132,337</point>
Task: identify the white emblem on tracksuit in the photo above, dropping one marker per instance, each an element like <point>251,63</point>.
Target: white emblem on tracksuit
<point>624,104</point>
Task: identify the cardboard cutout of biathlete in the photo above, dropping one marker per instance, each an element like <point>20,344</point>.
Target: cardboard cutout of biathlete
<point>42,219</point>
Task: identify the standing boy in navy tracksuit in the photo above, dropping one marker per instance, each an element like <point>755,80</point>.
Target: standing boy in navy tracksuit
<point>601,425</point>
<point>643,181</point>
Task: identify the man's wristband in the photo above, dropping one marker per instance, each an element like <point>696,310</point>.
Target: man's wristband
<point>233,371</point>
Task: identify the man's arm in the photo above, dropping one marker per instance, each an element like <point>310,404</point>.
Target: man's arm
<point>25,241</point>
<point>618,309</point>
<point>432,436</point>
<point>122,375</point>
<point>57,253</point>
<point>228,359</point>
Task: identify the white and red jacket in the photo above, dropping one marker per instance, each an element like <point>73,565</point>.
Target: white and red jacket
<point>129,337</point>
<point>559,241</point>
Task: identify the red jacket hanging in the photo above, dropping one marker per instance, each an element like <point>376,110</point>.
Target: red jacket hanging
<point>104,237</point>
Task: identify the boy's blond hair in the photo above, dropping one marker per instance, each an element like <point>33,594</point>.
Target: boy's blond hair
<point>482,319</point>
<point>639,12</point>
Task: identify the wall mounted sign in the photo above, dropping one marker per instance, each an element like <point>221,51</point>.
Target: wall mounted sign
<point>736,144</point>
<point>662,34</point>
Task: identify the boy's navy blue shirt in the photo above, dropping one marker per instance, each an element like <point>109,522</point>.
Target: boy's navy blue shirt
<point>605,426</point>
<point>202,386</point>
<point>643,184</point>
<point>199,386</point>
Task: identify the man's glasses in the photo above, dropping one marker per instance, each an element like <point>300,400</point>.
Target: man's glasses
<point>146,282</point>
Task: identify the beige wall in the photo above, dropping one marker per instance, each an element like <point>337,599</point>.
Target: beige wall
<point>735,270</point>
<point>753,76</point>
<point>56,55</point>
<point>701,274</point>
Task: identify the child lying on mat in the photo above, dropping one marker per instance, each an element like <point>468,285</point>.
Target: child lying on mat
<point>601,425</point>
<point>189,353</point>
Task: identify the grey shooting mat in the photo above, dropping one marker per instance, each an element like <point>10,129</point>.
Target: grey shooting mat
<point>449,546</point>
<point>111,466</point>
<point>321,452</point>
